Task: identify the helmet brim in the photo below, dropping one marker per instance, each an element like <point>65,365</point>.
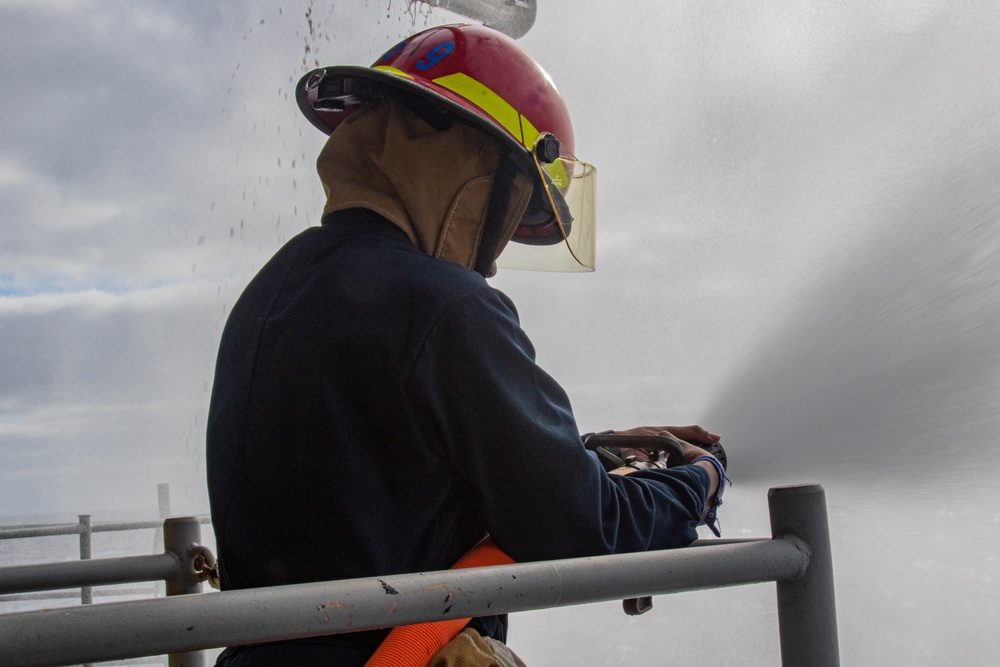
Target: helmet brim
<point>321,91</point>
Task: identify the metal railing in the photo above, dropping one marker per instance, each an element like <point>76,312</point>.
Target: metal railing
<point>176,566</point>
<point>85,528</point>
<point>797,557</point>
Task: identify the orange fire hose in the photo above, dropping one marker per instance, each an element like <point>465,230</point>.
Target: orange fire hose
<point>415,645</point>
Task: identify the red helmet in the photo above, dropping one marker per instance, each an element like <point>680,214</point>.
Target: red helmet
<point>483,78</point>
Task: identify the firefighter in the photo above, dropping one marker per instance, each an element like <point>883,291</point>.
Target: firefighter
<point>377,408</point>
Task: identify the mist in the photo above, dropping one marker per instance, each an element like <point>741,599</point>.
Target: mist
<point>888,369</point>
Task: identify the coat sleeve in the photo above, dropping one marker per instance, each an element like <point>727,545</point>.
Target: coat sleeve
<point>508,431</point>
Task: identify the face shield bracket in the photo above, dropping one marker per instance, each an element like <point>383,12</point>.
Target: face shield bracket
<point>558,227</point>
<point>547,148</point>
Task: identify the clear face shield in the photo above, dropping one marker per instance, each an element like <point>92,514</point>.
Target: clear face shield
<point>557,233</point>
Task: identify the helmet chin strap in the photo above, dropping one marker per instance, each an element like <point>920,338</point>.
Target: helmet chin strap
<point>496,213</point>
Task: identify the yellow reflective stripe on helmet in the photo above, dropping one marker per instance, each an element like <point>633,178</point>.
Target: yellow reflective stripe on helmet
<point>557,172</point>
<point>529,132</point>
<point>502,112</point>
<point>393,70</point>
<point>497,107</point>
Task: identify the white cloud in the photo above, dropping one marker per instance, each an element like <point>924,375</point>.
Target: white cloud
<point>13,174</point>
<point>56,6</point>
<point>94,300</point>
<point>46,422</point>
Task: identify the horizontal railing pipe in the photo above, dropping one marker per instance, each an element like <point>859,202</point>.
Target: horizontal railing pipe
<point>145,591</point>
<point>40,531</point>
<point>185,623</point>
<point>96,572</point>
<point>50,530</point>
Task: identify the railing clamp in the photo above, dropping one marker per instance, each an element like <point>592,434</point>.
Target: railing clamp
<point>206,565</point>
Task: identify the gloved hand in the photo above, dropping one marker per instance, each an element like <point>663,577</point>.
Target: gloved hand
<point>688,437</point>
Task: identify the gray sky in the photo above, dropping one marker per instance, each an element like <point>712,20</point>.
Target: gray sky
<point>798,219</point>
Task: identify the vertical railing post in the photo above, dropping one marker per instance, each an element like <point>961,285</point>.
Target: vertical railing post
<point>163,501</point>
<point>86,532</point>
<point>86,592</point>
<point>180,536</point>
<point>807,609</point>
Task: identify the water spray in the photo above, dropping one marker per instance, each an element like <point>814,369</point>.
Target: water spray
<point>511,17</point>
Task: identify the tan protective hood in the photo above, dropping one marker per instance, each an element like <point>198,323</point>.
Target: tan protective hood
<point>434,185</point>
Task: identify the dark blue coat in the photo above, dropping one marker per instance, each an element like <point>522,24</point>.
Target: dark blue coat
<point>378,411</point>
